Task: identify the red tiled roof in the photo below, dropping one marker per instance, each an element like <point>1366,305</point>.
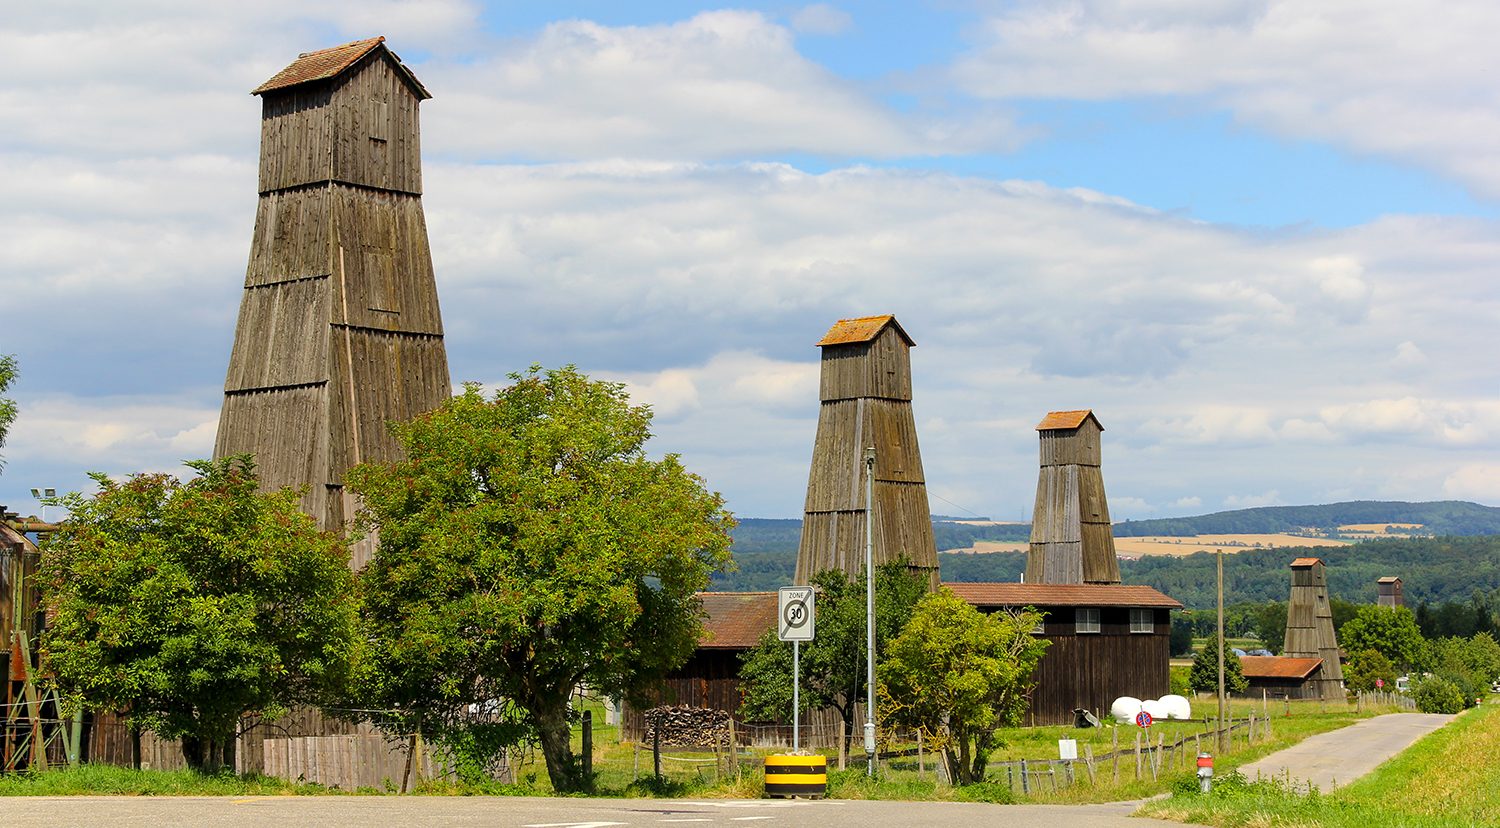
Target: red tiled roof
<point>1305,562</point>
<point>736,620</point>
<point>1279,666</point>
<point>1061,595</point>
<point>1056,420</point>
<point>862,329</point>
<point>331,62</point>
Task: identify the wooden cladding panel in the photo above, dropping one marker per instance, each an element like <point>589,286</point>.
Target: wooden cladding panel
<point>296,137</point>
<point>382,261</point>
<point>1055,562</point>
<point>384,154</point>
<point>1055,518</point>
<point>1092,670</point>
<point>836,539</point>
<point>291,239</point>
<point>845,428</point>
<point>1100,564</point>
<point>286,430</point>
<point>878,368</point>
<point>1093,506</point>
<point>1079,445</point>
<point>393,377</point>
<point>282,336</point>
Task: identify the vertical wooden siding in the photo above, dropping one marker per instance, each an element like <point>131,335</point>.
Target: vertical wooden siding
<point>1310,632</point>
<point>1071,541</point>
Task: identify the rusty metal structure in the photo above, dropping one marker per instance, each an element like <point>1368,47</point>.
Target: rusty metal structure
<point>866,397</point>
<point>339,328</point>
<point>1071,540</point>
<point>1309,629</point>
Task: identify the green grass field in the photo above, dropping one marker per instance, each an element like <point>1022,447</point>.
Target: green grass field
<point>1450,778</point>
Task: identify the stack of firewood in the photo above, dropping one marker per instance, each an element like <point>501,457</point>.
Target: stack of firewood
<point>687,725</point>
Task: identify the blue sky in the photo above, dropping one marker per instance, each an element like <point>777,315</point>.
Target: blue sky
<point>1258,238</point>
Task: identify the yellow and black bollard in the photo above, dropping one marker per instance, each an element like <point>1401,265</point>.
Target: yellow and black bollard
<point>790,775</point>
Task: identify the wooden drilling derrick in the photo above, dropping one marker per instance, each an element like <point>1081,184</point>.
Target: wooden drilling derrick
<point>1388,592</point>
<point>1309,628</point>
<point>339,330</point>
<point>1071,541</point>
<point>866,401</point>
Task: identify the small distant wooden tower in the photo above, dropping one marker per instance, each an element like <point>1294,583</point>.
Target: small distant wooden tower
<point>866,401</point>
<point>1309,628</point>
<point>1071,541</point>
<point>1388,592</point>
<point>339,330</point>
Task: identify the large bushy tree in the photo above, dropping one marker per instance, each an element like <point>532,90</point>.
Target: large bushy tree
<point>1366,667</point>
<point>833,663</point>
<point>1390,631</point>
<point>957,675</point>
<point>189,605</point>
<point>8,371</point>
<point>528,545</point>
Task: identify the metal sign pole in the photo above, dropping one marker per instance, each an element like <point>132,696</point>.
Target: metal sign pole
<point>870,608</point>
<point>796,696</point>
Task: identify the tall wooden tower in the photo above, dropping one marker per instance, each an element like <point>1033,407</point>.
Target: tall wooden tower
<point>1071,541</point>
<point>1309,627</point>
<point>339,330</point>
<point>866,402</point>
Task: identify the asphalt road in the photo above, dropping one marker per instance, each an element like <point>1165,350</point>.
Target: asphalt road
<point>1341,756</point>
<point>519,812</point>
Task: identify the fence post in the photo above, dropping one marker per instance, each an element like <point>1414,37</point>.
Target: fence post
<point>734,750</point>
<point>1116,751</point>
<point>1138,753</point>
<point>1025,779</point>
<point>921,760</point>
<point>656,749</point>
<point>1088,762</point>
<point>588,749</point>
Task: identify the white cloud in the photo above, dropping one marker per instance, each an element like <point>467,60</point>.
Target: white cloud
<point>1396,79</point>
<point>721,84</point>
<point>1474,481</point>
<point>821,19</point>
<point>1190,502</point>
<point>1251,501</point>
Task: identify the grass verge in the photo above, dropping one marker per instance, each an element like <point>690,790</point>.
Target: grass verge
<point>1449,778</point>
<point>107,780</point>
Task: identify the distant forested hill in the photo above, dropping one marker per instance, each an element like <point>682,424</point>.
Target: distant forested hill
<point>1444,517</point>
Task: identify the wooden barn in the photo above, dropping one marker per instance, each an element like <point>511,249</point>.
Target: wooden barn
<point>339,330</point>
<point>1309,629</point>
<point>1282,677</point>
<point>1071,541</point>
<point>1107,641</point>
<point>866,402</point>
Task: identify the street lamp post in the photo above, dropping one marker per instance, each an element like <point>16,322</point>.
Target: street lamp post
<point>870,608</point>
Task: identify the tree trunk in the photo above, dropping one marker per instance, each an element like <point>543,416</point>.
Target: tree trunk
<point>135,747</point>
<point>557,749</point>
<point>230,743</point>
<point>193,749</point>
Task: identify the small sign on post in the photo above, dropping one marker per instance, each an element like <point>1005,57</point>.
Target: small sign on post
<point>794,623</point>
<point>1143,719</point>
<point>794,613</point>
<point>1067,749</point>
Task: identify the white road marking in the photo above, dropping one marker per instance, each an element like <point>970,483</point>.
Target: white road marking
<point>747,819</point>
<point>572,824</point>
<point>687,819</point>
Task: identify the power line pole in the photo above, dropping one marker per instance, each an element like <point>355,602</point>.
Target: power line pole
<point>1222,748</point>
<point>870,609</point>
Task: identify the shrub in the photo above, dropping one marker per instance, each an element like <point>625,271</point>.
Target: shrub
<point>1436,694</point>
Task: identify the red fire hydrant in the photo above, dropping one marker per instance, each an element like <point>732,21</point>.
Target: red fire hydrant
<point>1205,771</point>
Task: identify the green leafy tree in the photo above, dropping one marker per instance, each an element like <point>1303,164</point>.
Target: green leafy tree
<point>1181,640</point>
<point>1364,667</point>
<point>190,605</point>
<point>1390,631</point>
<point>8,372</point>
<point>1270,625</point>
<point>833,663</point>
<point>1435,694</point>
<point>1204,677</point>
<point>957,675</point>
<point>527,546</point>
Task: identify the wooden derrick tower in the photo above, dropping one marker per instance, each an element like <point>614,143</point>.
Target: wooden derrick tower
<point>1309,627</point>
<point>339,330</point>
<point>866,402</point>
<point>1071,541</point>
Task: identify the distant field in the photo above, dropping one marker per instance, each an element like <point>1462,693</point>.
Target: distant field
<point>983,547</point>
<point>1159,545</point>
<point>1381,530</point>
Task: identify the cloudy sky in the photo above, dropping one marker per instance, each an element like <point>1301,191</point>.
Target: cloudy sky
<point>1260,239</point>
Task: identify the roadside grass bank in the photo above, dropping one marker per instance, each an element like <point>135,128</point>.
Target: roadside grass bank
<point>1449,778</point>
<point>108,780</point>
<point>623,769</point>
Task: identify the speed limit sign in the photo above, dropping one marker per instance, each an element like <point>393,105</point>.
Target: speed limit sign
<point>794,613</point>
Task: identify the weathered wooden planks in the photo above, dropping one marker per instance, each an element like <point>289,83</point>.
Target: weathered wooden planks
<point>866,401</point>
<point>1309,628</point>
<point>340,330</point>
<point>1071,541</point>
